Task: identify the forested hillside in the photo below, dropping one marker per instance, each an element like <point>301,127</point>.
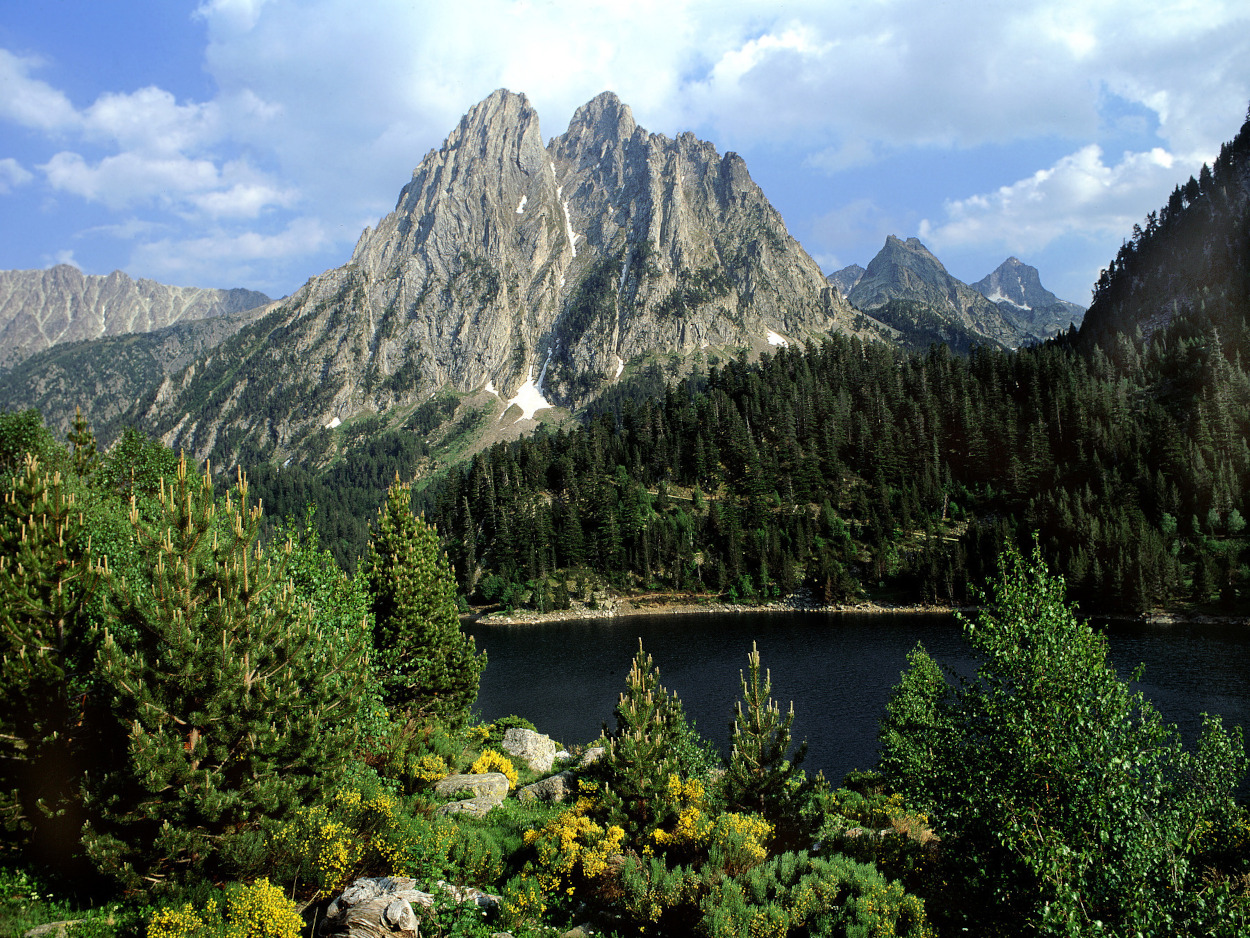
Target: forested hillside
<point>851,468</point>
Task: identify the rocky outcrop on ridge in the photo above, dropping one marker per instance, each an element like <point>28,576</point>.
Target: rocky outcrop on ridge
<point>906,270</point>
<point>42,308</point>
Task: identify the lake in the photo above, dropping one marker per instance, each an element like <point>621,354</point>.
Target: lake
<point>838,668</point>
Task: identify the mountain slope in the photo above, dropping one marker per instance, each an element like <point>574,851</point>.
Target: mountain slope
<point>106,376</point>
<point>1189,262</point>
<point>40,308</point>
<point>906,270</point>
<point>1016,289</point>
<point>512,267</point>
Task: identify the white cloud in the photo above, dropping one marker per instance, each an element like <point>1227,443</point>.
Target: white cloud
<point>13,174</point>
<point>1079,195</point>
<point>30,102</point>
<point>151,120</point>
<point>226,257</point>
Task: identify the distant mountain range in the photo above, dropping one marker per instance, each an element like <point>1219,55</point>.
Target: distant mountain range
<point>908,286</point>
<point>41,308</point>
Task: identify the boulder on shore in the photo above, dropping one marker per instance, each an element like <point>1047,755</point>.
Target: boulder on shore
<point>538,751</point>
<point>483,784</point>
<point>553,789</point>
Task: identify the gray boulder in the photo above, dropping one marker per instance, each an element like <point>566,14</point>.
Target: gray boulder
<point>591,756</point>
<point>484,784</point>
<point>386,907</point>
<point>474,807</point>
<point>538,751</point>
<point>553,789</point>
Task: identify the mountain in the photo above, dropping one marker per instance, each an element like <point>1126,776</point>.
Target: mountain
<point>1016,288</point>
<point>40,308</point>
<point>510,269</point>
<point>106,376</point>
<point>844,280</point>
<point>907,271</point>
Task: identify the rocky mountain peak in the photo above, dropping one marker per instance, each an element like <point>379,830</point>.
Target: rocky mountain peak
<point>43,308</point>
<point>528,272</point>
<point>1016,288</point>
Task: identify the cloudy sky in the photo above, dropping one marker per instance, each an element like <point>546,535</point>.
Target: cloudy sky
<point>248,142</point>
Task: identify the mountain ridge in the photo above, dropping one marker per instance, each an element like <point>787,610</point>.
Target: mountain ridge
<point>40,308</point>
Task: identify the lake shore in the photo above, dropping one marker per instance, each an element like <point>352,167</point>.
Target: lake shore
<point>665,604</point>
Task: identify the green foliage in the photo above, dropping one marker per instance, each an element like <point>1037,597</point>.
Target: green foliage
<point>48,574</point>
<point>258,910</point>
<point>1071,807</point>
<point>651,742</point>
<point>230,704</point>
<point>428,666</point>
<point>796,894</point>
<point>917,727</point>
<point>761,775</point>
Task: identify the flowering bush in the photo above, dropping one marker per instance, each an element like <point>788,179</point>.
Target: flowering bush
<point>491,761</point>
<point>259,910</point>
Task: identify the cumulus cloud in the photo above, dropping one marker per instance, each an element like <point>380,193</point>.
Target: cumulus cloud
<point>29,102</point>
<point>229,257</point>
<point>331,103</point>
<point>12,175</point>
<point>1080,194</point>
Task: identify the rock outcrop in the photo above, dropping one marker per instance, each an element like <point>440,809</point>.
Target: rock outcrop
<point>387,907</point>
<point>538,751</point>
<point>42,308</point>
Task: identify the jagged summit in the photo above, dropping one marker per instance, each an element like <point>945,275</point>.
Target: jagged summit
<point>509,265</point>
<point>1016,288</point>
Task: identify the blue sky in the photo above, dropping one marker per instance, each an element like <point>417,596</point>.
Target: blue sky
<point>247,142</point>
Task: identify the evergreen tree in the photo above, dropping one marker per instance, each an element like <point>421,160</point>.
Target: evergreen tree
<point>231,704</point>
<point>428,666</point>
<point>761,775</point>
<point>651,742</point>
<point>47,574</point>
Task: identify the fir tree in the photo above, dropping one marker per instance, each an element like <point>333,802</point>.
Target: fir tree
<point>428,666</point>
<point>234,707</point>
<point>760,777</point>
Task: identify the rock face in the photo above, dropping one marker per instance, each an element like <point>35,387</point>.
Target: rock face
<point>906,270</point>
<point>105,376</point>
<point>508,264</point>
<point>41,308</point>
<point>553,789</point>
<point>1016,289</point>
<point>844,280</point>
<point>538,751</point>
<point>483,784</point>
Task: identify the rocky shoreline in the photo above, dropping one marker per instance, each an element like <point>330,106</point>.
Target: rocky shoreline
<point>622,607</point>
<point>678,604</point>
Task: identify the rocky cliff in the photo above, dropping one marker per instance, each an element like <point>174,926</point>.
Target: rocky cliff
<point>1016,289</point>
<point>41,308</point>
<point>530,271</point>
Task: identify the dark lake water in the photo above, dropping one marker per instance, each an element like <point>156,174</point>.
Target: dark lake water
<point>838,668</point>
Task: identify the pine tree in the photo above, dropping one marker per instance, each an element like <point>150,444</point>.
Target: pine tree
<point>428,666</point>
<point>234,707</point>
<point>760,777</point>
<point>652,741</point>
<point>47,575</point>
